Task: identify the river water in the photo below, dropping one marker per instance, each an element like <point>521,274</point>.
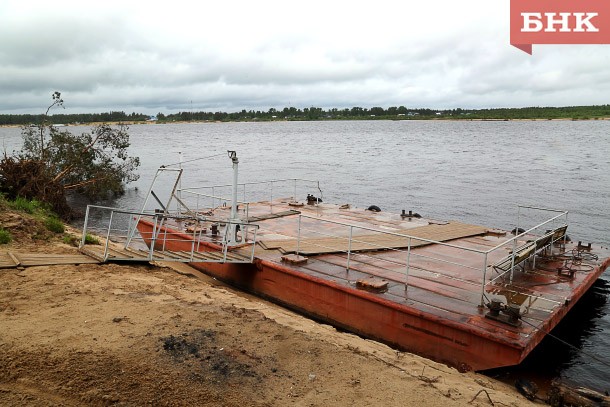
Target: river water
<point>472,171</point>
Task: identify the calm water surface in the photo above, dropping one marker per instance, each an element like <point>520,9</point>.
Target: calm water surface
<point>472,171</point>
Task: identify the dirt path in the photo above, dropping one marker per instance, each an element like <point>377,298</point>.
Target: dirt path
<point>149,335</point>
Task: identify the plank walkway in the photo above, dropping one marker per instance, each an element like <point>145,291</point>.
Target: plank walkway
<point>139,255</point>
<point>11,259</point>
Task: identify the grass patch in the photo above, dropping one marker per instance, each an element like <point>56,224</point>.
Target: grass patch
<point>5,236</point>
<point>90,239</point>
<point>55,225</point>
<point>76,240</point>
<point>71,240</point>
<point>25,205</point>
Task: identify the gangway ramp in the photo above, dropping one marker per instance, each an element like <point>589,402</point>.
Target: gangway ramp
<point>122,254</point>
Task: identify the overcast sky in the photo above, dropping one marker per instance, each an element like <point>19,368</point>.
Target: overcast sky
<point>230,55</point>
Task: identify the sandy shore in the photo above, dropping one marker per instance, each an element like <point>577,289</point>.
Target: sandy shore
<point>154,335</point>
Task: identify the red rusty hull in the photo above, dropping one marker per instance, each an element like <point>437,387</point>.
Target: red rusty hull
<point>463,344</point>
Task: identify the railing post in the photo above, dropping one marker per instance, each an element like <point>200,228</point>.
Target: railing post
<point>512,262</point>
<point>565,235</point>
<point>82,243</point>
<point>108,236</point>
<point>408,265</point>
<point>178,204</point>
<point>225,243</point>
<point>193,242</point>
<point>299,236</point>
<point>271,187</point>
<point>153,239</point>
<point>349,246</point>
<point>484,279</point>
<point>253,245</point>
<point>295,190</point>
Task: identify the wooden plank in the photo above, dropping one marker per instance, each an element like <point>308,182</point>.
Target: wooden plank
<point>12,259</point>
<point>378,241</point>
<point>272,215</point>
<point>7,261</point>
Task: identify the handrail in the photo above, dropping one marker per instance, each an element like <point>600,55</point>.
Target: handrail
<point>159,233</point>
<point>564,213</point>
<point>407,250</point>
<point>351,238</point>
<point>542,209</point>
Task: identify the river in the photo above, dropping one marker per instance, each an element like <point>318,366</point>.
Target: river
<point>474,171</point>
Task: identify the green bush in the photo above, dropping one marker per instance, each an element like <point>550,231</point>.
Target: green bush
<point>55,225</point>
<point>89,239</point>
<point>5,236</point>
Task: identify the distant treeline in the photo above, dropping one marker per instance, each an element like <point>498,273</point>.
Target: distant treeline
<point>25,119</point>
<point>316,113</point>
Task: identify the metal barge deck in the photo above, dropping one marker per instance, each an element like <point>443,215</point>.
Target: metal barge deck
<point>437,308</point>
<point>467,295</point>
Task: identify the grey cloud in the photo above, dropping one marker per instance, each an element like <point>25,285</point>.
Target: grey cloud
<point>107,61</point>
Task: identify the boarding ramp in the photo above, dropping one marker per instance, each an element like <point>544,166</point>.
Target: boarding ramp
<point>112,235</point>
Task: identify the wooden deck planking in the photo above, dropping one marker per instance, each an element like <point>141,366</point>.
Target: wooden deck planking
<point>375,241</point>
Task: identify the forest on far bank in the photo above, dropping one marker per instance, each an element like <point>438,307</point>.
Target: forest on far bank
<point>316,113</point>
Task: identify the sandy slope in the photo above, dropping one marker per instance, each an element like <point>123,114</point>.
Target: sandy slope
<point>153,335</point>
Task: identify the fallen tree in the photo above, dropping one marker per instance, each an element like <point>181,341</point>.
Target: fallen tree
<point>53,161</point>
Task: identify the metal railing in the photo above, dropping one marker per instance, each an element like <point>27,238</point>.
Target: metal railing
<point>117,225</point>
<point>403,259</point>
<point>214,199</point>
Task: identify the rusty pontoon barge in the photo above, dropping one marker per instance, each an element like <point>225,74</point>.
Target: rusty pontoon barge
<point>467,295</point>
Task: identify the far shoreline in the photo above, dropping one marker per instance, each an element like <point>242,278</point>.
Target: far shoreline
<point>448,119</point>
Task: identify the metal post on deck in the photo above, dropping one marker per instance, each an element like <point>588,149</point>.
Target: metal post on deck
<point>294,198</point>
<point>298,236</point>
<point>565,235</point>
<point>231,227</point>
<point>349,246</point>
<point>195,227</point>
<point>179,184</point>
<point>512,262</point>
<point>235,161</point>
<point>484,284</point>
<point>253,244</point>
<point>408,265</point>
